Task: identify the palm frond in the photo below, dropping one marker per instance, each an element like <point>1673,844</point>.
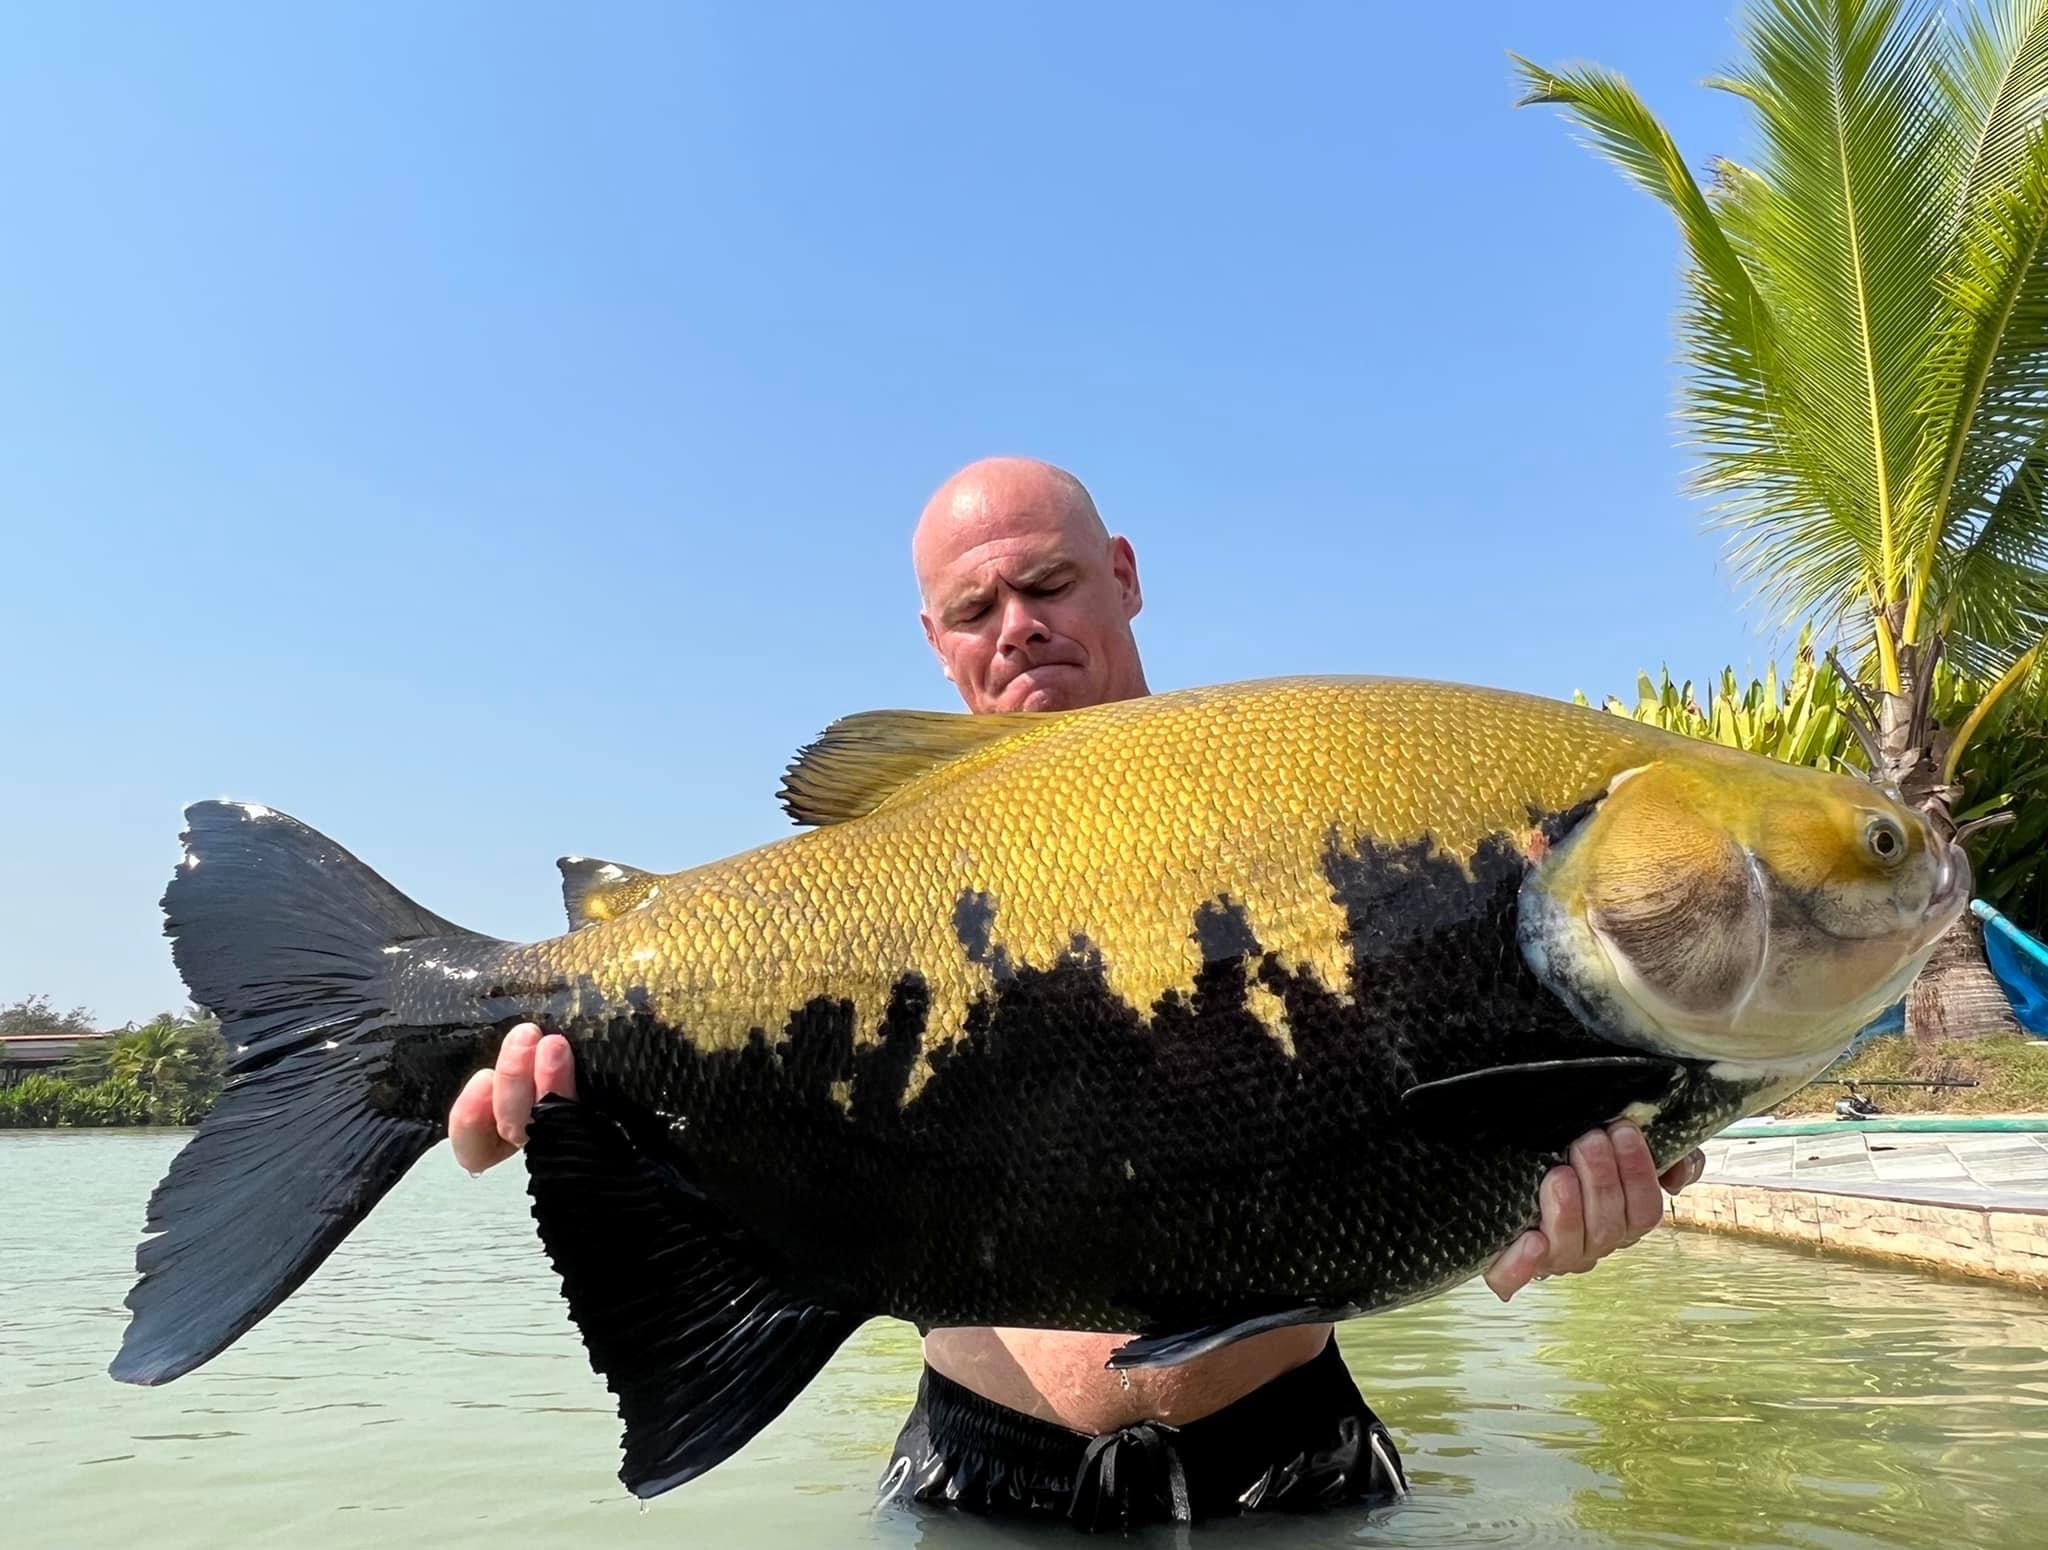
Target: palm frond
<point>1993,576</point>
<point>1621,127</point>
<point>1742,403</point>
<point>1984,380</point>
<point>1844,224</point>
<point>1865,329</point>
<point>1996,78</point>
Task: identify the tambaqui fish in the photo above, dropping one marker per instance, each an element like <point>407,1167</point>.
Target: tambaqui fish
<point>1189,1016</point>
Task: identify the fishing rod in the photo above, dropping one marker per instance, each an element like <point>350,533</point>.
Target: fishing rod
<point>1856,1106</point>
<point>1854,1082</point>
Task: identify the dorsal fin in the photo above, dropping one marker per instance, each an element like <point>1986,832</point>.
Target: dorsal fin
<point>860,761</point>
<point>594,890</point>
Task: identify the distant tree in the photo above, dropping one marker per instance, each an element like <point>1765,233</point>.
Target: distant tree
<point>92,1061</point>
<point>33,1015</point>
<point>174,1062</point>
<point>154,1057</point>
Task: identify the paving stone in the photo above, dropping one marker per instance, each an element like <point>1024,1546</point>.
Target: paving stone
<point>1920,1170</point>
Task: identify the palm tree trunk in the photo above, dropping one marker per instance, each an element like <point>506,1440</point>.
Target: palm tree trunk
<point>1957,996</point>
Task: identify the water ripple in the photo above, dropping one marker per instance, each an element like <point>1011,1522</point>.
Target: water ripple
<point>1695,1392</point>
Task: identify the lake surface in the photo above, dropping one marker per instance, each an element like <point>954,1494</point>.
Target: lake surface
<point>426,1387</point>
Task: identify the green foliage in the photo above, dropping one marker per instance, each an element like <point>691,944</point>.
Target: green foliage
<point>33,1015</point>
<point>1804,719</point>
<point>1865,332</point>
<point>2010,1070</point>
<point>169,1071</point>
<point>113,1102</point>
<point>92,1061</point>
<point>1799,721</point>
<point>153,1058</point>
<point>2006,769</point>
<point>34,1100</point>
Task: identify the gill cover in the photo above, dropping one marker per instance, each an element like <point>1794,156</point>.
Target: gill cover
<point>1650,920</point>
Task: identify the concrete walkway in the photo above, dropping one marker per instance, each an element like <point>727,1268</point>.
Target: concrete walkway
<point>1973,1203</point>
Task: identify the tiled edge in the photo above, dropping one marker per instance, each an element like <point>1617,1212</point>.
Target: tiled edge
<point>2008,1246</point>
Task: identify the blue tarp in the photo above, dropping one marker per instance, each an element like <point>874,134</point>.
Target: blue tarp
<point>2021,964</point>
<point>1891,1020</point>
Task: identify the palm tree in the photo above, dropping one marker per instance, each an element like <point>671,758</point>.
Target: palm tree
<point>1865,338</point>
<point>175,1061</point>
<point>155,1057</point>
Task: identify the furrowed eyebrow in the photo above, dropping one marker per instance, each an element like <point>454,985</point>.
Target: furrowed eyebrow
<point>1039,575</point>
<point>958,608</point>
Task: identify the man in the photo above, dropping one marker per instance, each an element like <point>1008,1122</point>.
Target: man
<point>1028,602</point>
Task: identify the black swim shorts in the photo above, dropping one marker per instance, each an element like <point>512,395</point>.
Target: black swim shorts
<point>1303,1441</point>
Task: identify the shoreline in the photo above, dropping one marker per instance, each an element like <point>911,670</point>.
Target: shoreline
<point>1973,1202</point>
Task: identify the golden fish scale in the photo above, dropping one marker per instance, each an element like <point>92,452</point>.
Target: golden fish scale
<point>1115,824</point>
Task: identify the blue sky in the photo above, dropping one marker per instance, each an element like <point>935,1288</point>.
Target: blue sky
<point>489,432</point>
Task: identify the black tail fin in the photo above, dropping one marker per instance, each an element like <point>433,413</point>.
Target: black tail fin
<point>283,935</point>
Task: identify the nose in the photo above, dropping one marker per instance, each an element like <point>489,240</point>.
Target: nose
<point>1021,626</point>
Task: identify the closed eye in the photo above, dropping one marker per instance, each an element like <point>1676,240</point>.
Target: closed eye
<point>965,612</point>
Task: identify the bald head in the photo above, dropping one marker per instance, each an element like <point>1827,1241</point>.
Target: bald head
<point>1028,599</point>
<point>998,491</point>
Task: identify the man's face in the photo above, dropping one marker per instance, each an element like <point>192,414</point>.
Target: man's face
<point>1029,606</point>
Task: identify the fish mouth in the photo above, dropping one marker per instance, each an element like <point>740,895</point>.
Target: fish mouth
<point>1951,886</point>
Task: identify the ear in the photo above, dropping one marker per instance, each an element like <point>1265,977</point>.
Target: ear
<point>1123,564</point>
<point>931,639</point>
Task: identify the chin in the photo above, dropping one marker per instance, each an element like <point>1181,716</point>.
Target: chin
<point>1050,699</point>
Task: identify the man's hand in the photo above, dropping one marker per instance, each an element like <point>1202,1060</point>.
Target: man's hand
<point>487,1122</point>
<point>1604,1200</point>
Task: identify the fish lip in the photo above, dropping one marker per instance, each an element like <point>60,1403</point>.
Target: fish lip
<point>1952,885</point>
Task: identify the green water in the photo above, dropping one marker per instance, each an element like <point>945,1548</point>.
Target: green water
<point>426,1388</point>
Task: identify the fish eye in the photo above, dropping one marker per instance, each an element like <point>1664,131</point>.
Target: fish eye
<point>1887,841</point>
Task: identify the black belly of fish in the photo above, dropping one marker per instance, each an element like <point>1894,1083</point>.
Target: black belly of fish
<point>723,1219</point>
<point>1071,1163</point>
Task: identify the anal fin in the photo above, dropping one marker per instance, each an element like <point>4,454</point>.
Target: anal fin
<point>1184,1345</point>
<point>680,1312</point>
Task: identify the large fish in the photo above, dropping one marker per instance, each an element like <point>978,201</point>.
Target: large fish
<point>1190,1016</point>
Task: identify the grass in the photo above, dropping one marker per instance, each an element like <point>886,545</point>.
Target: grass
<point>2011,1073</point>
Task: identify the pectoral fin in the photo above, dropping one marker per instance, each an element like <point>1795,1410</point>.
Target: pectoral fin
<point>687,1319</point>
<point>1546,1104</point>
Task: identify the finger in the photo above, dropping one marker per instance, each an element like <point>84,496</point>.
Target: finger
<point>554,1067</point>
<point>1517,1264</point>
<point>1600,1186</point>
<point>473,1129</point>
<point>1643,1207</point>
<point>1686,1171</point>
<point>512,1096</point>
<point>1564,1221</point>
